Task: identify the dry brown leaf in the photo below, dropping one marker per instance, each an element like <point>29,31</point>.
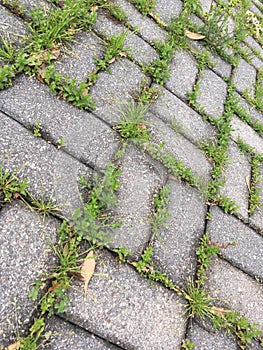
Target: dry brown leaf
<point>87,269</point>
<point>248,182</point>
<point>14,346</point>
<point>113,59</point>
<point>194,36</point>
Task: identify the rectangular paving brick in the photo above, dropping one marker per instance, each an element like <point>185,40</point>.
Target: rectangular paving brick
<point>24,254</point>
<point>126,309</point>
<point>148,29</point>
<point>247,253</point>
<point>115,89</point>
<point>168,9</point>
<point>213,92</point>
<point>52,174</point>
<point>246,133</point>
<point>183,74</point>
<point>140,179</point>
<point>236,289</point>
<point>85,136</point>
<point>173,111</point>
<point>244,77</point>
<point>237,177</point>
<point>176,242</point>
<point>182,149</point>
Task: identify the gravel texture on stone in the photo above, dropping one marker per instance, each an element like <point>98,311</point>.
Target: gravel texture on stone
<point>212,339</point>
<point>77,60</point>
<point>85,136</point>
<point>66,336</point>
<point>213,91</point>
<point>126,309</point>
<point>257,218</point>
<point>168,9</point>
<point>237,175</point>
<point>148,29</point>
<point>238,290</point>
<point>115,89</point>
<point>24,254</point>
<point>30,5</point>
<point>140,179</point>
<point>183,74</point>
<point>140,50</point>
<point>177,241</point>
<point>12,29</point>
<point>246,133</point>
<point>244,77</point>
<point>245,245</point>
<point>180,148</point>
<point>182,118</point>
<point>52,174</point>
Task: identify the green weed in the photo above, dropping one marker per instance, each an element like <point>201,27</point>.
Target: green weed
<point>161,214</point>
<point>10,185</point>
<point>37,129</point>
<point>122,253</point>
<point>7,73</point>
<point>145,6</point>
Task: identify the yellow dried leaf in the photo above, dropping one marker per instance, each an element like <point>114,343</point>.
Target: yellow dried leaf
<point>14,346</point>
<point>194,36</point>
<point>87,269</point>
<point>248,182</point>
<point>113,59</point>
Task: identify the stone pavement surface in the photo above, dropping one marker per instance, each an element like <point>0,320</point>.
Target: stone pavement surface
<point>122,309</point>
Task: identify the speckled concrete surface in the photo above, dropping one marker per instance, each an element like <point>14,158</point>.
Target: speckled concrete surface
<point>122,309</point>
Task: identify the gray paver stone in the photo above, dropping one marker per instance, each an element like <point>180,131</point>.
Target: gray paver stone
<point>246,133</point>
<point>124,308</point>
<point>52,174</point>
<point>246,254</point>
<point>240,291</point>
<point>214,340</point>
<point>237,175</point>
<point>172,110</point>
<point>206,4</point>
<point>183,73</point>
<point>86,137</point>
<point>213,91</point>
<point>167,9</point>
<point>66,336</point>
<point>254,44</point>
<point>148,29</point>
<point>140,179</point>
<point>77,60</point>
<point>24,254</point>
<point>257,218</point>
<point>182,149</point>
<point>244,77</point>
<point>177,241</point>
<point>141,51</point>
<point>113,90</point>
<point>12,29</point>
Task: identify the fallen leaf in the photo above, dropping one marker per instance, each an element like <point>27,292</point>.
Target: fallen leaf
<point>87,270</point>
<point>194,36</point>
<point>248,182</point>
<point>14,346</point>
<point>113,59</point>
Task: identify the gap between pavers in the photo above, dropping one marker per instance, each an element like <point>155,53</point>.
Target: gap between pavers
<point>256,219</point>
<point>247,253</point>
<point>52,174</point>
<point>140,179</point>
<point>24,254</point>
<point>127,309</point>
<point>85,136</point>
<point>237,290</point>
<point>66,336</point>
<point>176,243</point>
<point>237,177</point>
